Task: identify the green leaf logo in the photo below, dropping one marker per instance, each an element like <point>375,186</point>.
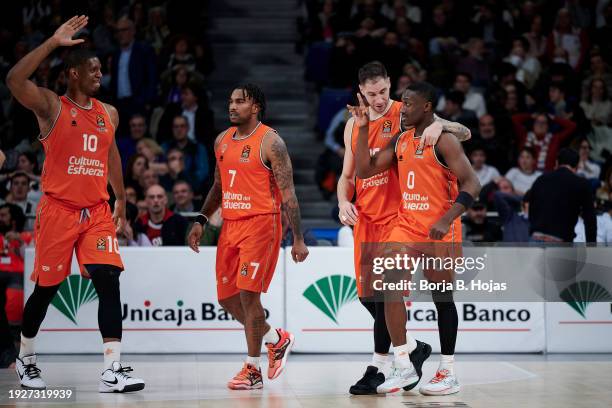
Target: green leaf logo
<point>331,293</point>
<point>580,294</point>
<point>74,292</point>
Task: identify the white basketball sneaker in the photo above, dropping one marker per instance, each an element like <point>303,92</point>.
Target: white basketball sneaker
<point>398,379</point>
<point>29,374</point>
<point>116,379</point>
<point>444,383</point>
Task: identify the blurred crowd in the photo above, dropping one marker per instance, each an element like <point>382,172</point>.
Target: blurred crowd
<point>528,78</point>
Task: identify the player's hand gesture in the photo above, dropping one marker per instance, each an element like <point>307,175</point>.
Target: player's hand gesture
<point>347,213</point>
<point>119,218</point>
<point>431,134</point>
<point>299,251</point>
<point>193,239</point>
<point>360,113</point>
<point>63,35</point>
<point>439,229</point>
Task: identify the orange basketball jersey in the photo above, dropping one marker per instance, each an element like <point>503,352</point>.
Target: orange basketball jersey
<point>428,188</point>
<point>76,155</point>
<point>247,184</point>
<point>378,197</point>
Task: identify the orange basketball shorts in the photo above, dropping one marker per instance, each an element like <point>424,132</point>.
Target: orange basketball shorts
<point>247,253</point>
<point>60,230</point>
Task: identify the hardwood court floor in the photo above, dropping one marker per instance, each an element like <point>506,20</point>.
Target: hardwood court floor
<point>320,381</point>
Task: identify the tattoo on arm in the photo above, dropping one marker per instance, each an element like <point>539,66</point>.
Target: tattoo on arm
<point>283,174</point>
<point>460,131</point>
<point>214,196</point>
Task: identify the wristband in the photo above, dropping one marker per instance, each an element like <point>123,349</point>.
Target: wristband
<point>201,219</point>
<point>465,199</point>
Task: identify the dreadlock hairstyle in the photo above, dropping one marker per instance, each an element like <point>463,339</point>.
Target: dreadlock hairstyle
<point>256,94</point>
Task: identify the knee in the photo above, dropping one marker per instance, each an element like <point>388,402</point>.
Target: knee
<point>250,301</point>
<point>105,279</point>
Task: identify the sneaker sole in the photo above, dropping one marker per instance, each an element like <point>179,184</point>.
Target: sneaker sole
<point>448,391</point>
<point>245,387</point>
<point>33,388</point>
<point>127,388</point>
<point>284,360</point>
<point>362,391</point>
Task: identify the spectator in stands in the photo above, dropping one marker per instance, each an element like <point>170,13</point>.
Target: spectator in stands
<point>131,237</point>
<point>475,64</point>
<point>182,195</point>
<point>18,195</point>
<point>440,33</point>
<point>537,41</point>
<point>176,170</point>
<point>557,199</point>
<point>133,73</point>
<point>138,130</point>
<point>527,66</point>
<point>103,34</point>
<point>485,173</point>
<point>329,164</point>
<point>157,31</point>
<point>344,62</point>
<point>130,195</point>
<point>541,138</point>
<point>147,179</point>
<point>195,155</point>
<point>525,174</point>
<point>154,154</point>
<point>496,143</point>
<point>476,227</point>
<point>560,106</point>
<point>488,24</point>
<point>597,105</point>
<point>473,100</point>
<point>586,167</point>
<point>604,193</point>
<point>136,166</point>
<point>454,111</point>
<point>599,69</point>
<point>159,224</point>
<point>514,216</point>
<point>567,37</point>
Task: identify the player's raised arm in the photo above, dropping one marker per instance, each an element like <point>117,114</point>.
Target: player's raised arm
<point>43,102</point>
<point>115,176</point>
<point>275,152</point>
<point>211,204</point>
<point>451,151</point>
<point>368,165</point>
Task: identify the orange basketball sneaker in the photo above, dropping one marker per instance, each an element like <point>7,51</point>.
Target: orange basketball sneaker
<point>249,378</point>
<point>278,353</point>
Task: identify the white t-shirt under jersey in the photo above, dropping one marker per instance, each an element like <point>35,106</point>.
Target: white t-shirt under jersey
<point>522,181</point>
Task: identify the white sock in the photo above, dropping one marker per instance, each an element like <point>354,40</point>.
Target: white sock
<point>254,361</point>
<point>447,362</point>
<point>380,361</point>
<point>411,342</point>
<point>402,356</point>
<point>112,352</point>
<point>271,336</point>
<point>27,346</point>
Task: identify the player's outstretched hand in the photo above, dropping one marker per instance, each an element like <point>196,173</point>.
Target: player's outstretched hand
<point>193,239</point>
<point>347,213</point>
<point>439,229</point>
<point>431,134</point>
<point>119,218</point>
<point>299,251</point>
<point>360,113</point>
<point>63,35</point>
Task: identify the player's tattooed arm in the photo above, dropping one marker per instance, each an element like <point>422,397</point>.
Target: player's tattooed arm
<point>461,132</point>
<point>283,174</point>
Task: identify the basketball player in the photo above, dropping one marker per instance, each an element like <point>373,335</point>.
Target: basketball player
<point>253,183</point>
<point>431,174</point>
<point>77,132</point>
<point>375,210</point>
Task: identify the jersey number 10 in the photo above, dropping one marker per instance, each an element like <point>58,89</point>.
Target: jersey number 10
<point>90,143</point>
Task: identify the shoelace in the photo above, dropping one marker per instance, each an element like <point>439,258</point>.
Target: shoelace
<point>245,373</point>
<point>440,376</point>
<point>32,371</point>
<point>122,372</point>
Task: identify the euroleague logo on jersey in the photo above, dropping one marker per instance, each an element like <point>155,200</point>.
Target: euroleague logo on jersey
<point>244,156</point>
<point>386,129</point>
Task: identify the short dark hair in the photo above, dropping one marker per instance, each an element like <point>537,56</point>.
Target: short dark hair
<point>17,215</point>
<point>524,42</point>
<point>182,181</point>
<point>77,57</point>
<point>256,94</point>
<point>425,90</point>
<point>456,97</point>
<point>464,74</point>
<point>529,150</point>
<point>558,85</point>
<point>371,71</point>
<point>20,174</point>
<point>568,157</point>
